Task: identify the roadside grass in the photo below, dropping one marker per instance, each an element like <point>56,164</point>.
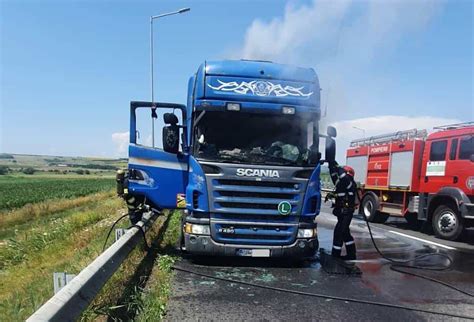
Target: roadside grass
<point>67,243</point>
<point>140,289</point>
<point>65,236</point>
<point>156,294</point>
<point>40,235</point>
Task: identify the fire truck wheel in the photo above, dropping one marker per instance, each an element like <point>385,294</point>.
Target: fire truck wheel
<point>447,223</point>
<point>370,204</point>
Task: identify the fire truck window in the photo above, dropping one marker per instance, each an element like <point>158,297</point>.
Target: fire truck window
<point>467,148</point>
<point>438,150</point>
<point>454,148</point>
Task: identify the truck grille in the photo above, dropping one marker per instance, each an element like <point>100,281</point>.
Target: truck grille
<point>245,211</point>
<point>254,197</point>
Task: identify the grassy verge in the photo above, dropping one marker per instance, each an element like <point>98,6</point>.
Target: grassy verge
<point>53,236</point>
<point>139,290</point>
<point>155,296</point>
<point>68,242</point>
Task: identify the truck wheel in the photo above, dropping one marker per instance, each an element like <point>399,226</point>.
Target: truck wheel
<point>370,204</point>
<point>447,224</point>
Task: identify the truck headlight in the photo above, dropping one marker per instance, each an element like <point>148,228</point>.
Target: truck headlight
<point>307,233</point>
<point>197,229</point>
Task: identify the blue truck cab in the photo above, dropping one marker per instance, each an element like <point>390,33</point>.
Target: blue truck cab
<point>244,165</point>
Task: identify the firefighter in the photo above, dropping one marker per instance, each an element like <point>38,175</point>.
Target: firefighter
<point>345,201</point>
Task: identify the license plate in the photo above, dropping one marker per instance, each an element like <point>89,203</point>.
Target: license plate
<point>253,252</point>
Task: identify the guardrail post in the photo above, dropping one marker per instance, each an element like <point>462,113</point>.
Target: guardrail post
<point>61,279</point>
<point>119,232</point>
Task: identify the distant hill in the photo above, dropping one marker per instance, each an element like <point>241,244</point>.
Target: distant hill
<point>48,163</point>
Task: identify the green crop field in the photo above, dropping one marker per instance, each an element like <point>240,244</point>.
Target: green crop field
<point>17,191</point>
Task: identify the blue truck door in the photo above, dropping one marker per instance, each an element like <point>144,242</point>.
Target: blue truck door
<point>159,176</point>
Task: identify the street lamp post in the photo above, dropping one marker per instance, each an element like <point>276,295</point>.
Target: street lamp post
<point>183,10</point>
<point>360,129</point>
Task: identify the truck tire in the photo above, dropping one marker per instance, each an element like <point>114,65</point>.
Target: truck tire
<point>370,204</point>
<point>447,223</point>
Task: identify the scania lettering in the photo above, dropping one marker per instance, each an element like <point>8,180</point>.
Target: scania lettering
<point>258,173</point>
<point>241,159</point>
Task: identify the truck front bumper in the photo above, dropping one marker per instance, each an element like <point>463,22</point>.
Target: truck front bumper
<point>204,245</point>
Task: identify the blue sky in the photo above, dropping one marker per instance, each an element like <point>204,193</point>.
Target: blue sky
<point>69,68</point>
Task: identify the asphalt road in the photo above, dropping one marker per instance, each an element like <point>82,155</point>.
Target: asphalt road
<point>196,297</point>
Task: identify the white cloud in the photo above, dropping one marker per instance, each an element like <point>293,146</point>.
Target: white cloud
<point>382,124</point>
<point>120,140</point>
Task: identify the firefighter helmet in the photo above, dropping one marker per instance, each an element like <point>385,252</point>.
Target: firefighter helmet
<point>349,170</point>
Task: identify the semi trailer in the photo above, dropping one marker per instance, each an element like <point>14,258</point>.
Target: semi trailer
<point>421,177</point>
<point>243,163</point>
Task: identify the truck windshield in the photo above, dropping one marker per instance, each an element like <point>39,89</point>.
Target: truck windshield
<point>250,138</point>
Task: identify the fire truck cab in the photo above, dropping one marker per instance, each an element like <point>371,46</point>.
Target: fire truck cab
<point>424,178</point>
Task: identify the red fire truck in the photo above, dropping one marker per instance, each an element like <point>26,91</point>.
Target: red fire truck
<point>418,176</point>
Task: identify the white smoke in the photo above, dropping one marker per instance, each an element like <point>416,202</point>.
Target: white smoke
<point>352,29</point>
<point>340,39</point>
<point>282,39</point>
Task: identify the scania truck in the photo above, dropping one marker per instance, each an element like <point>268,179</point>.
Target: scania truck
<point>241,158</point>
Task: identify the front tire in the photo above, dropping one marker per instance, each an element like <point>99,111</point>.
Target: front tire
<point>370,205</point>
<point>447,223</point>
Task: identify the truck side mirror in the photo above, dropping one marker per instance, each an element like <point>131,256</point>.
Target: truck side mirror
<point>170,118</point>
<point>331,131</point>
<point>330,156</point>
<point>171,138</point>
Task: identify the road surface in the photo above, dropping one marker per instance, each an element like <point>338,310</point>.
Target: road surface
<point>200,298</point>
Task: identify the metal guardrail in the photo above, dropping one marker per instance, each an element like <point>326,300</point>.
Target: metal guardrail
<point>73,299</point>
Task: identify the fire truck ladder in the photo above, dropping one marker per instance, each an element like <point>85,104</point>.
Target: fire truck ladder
<point>454,126</point>
<point>391,137</point>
